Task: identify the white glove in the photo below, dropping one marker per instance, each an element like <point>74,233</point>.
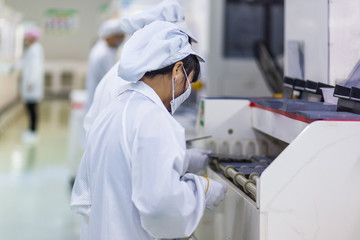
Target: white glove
<point>197,158</point>
<point>215,193</point>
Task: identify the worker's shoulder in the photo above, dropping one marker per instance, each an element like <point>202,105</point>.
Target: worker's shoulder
<point>152,113</point>
<point>146,104</point>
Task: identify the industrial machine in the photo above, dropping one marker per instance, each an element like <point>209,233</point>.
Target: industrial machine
<point>291,165</point>
<point>290,174</point>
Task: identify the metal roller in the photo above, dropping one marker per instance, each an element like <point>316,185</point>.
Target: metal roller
<point>248,185</point>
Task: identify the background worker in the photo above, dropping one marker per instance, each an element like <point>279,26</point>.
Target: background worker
<point>103,55</point>
<point>32,81</point>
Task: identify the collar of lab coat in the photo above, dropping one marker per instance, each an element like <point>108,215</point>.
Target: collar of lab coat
<point>146,90</point>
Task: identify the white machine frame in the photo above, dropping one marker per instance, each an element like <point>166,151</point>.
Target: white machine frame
<point>310,190</point>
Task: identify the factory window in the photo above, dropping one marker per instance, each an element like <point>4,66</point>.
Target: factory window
<point>248,22</point>
<point>66,79</point>
<point>48,79</point>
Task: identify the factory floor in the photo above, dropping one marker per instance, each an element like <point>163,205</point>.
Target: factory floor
<point>35,176</point>
<point>34,179</point>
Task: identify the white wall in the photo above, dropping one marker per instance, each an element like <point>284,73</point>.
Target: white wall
<point>73,46</point>
<point>10,52</point>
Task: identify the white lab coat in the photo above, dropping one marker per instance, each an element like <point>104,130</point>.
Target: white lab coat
<point>131,182</point>
<point>105,92</point>
<point>101,59</point>
<point>32,65</point>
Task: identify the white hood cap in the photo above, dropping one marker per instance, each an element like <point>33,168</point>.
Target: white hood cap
<point>110,27</point>
<point>153,47</point>
<point>167,10</point>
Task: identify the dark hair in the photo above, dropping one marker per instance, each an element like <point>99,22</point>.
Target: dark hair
<point>191,63</point>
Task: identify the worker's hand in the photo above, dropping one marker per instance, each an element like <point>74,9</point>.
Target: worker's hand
<point>215,192</point>
<point>197,158</point>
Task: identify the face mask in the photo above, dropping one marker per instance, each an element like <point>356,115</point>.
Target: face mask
<point>176,102</point>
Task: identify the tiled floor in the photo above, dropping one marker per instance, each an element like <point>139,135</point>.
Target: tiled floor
<point>34,179</point>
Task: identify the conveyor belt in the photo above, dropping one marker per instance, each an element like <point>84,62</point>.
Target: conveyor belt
<point>295,105</point>
<point>247,168</point>
<point>329,115</point>
<point>310,110</point>
<point>261,159</point>
<point>235,158</point>
<point>229,158</point>
<point>243,171</point>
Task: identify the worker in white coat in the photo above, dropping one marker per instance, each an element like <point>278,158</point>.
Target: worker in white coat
<point>32,82</point>
<point>103,55</point>
<point>134,180</point>
<point>107,89</point>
